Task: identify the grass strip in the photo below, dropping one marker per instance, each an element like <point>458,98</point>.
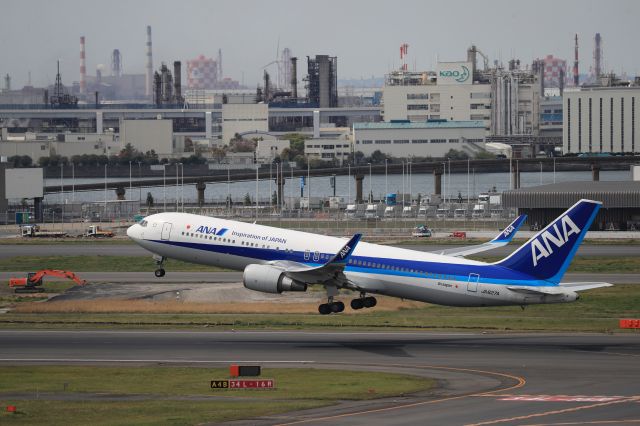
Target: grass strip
<point>596,311</point>
<point>173,395</point>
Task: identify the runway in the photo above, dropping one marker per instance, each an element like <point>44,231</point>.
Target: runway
<point>484,379</point>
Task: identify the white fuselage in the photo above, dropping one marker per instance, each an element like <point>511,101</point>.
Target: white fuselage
<point>373,268</point>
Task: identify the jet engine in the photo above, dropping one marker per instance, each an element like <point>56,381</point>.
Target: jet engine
<point>268,279</point>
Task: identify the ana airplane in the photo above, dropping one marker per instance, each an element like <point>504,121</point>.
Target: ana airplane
<point>275,260</point>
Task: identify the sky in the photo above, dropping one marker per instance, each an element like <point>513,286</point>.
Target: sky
<point>365,35</point>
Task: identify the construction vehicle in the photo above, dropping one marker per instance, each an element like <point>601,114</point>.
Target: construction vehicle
<point>34,231</point>
<point>95,231</point>
<point>33,281</point>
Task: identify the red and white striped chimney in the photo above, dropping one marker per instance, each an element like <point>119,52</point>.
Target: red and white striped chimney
<point>83,68</point>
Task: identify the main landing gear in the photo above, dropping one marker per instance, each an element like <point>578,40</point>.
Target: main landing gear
<point>363,302</point>
<point>159,273</point>
<point>332,307</point>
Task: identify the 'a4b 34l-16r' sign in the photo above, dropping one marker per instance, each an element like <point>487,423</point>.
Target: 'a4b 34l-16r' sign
<point>243,384</point>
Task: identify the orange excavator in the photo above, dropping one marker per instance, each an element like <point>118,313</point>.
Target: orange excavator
<point>32,282</point>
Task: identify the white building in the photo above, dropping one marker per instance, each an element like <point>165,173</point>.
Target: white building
<point>244,118</point>
<point>506,100</point>
<point>147,135</point>
<point>269,147</point>
<point>67,145</point>
<point>328,149</point>
<point>448,94</point>
<point>426,139</point>
<point>601,119</point>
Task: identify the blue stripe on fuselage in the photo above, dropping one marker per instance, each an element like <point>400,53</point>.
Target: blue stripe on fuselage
<point>490,274</point>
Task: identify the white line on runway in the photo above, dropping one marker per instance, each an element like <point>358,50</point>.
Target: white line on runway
<point>245,332</point>
<point>180,361</point>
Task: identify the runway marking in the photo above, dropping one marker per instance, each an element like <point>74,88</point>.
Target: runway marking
<point>561,398</point>
<point>166,361</point>
<point>550,413</point>
<point>520,382</point>
<point>594,422</point>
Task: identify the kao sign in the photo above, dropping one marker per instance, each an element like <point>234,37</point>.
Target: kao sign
<point>454,73</point>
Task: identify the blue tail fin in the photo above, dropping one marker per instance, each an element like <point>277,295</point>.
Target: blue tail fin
<point>547,254</point>
<point>506,235</point>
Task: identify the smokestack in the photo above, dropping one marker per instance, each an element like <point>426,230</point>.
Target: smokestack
<point>149,79</point>
<point>83,68</point>
<point>597,56</point>
<point>576,76</point>
<point>294,78</point>
<point>116,63</point>
<point>177,83</point>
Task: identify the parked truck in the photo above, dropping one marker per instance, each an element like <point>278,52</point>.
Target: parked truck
<point>34,231</point>
<point>94,231</point>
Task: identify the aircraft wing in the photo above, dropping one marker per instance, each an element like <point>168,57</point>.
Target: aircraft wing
<point>331,270</point>
<point>502,239</point>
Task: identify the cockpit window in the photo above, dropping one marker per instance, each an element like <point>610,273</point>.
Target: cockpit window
<point>143,223</point>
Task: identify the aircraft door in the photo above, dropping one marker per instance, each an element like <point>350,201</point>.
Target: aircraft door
<point>166,231</point>
<point>472,284</point>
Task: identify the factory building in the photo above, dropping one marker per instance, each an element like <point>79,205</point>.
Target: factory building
<point>418,96</point>
<point>601,120</point>
<point>505,99</point>
<point>322,81</point>
<point>425,139</point>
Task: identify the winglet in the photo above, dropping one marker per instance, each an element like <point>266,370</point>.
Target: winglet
<point>508,233</point>
<point>343,255</point>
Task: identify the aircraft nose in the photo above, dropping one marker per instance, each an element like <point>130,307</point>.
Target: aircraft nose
<point>132,231</point>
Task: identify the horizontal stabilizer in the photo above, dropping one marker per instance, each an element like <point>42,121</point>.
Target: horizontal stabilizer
<point>584,286</point>
<point>537,290</point>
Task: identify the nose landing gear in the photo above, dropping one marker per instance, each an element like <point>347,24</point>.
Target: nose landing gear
<point>159,272</point>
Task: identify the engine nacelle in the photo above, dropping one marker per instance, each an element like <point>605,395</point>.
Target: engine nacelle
<point>268,279</point>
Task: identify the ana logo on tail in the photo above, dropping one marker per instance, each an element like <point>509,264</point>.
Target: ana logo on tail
<point>541,247</point>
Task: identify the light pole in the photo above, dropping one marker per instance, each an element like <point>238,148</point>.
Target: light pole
<point>468,165</point>
<point>73,182</point>
<point>449,178</point>
<point>444,181</point>
<point>349,183</point>
<point>130,186</point>
<point>554,169</point>
<point>182,186</point>
<point>139,178</point>
<point>164,186</point>
<point>177,186</point>
<point>228,189</point>
<point>62,192</point>
<point>308,185</point>
<point>386,183</point>
<point>370,193</point>
<point>410,193</point>
<point>257,168</point>
<point>403,184</point>
<point>105,191</point>
<point>270,178</point>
